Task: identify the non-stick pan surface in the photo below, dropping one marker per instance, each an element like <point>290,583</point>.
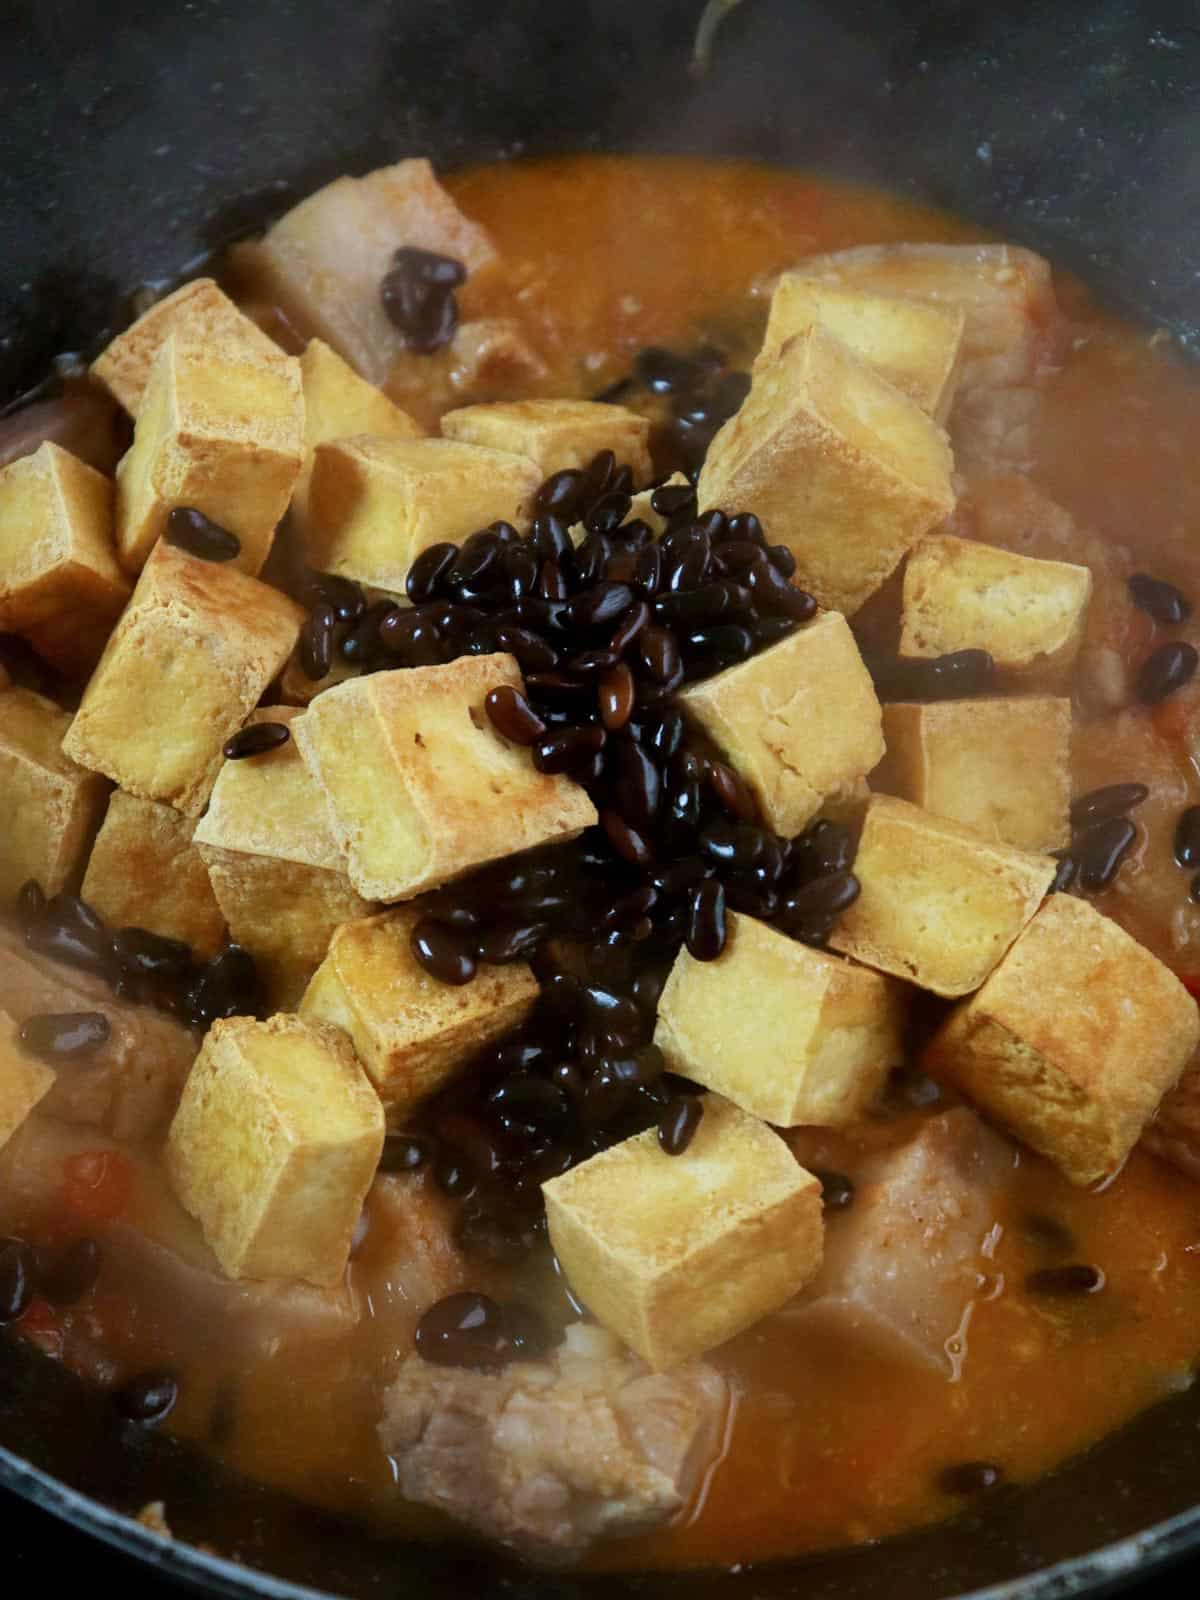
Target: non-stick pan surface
<point>135,137</point>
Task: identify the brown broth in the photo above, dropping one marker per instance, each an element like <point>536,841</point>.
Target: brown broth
<point>826,1444</point>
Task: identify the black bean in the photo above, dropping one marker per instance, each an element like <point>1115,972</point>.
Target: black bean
<point>147,1398</point>
<point>256,740</point>
<point>1187,837</point>
<point>1048,1233</point>
<point>428,572</point>
<point>532,654</point>
<point>31,903</point>
<point>63,939</point>
<point>561,752</point>
<point>678,1123</point>
<point>561,494</point>
<point>706,921</point>
<point>970,1478</point>
<point>1065,874</point>
<point>529,1096</point>
<point>346,598</point>
<point>362,644</point>
<point>638,784</point>
<point>955,676</point>
<point>16,1279</point>
<point>629,843</point>
<point>1164,602</point>
<point>527,1333</point>
<point>608,513</point>
<point>1099,851</point>
<point>477,558</point>
<point>837,1190</point>
<point>1194,890</point>
<point>412,636</point>
<point>1166,670</point>
<point>521,567</point>
<point>824,896</point>
<point>648,570</point>
<point>65,1035</point>
<point>512,715</point>
<point>658,651</point>
<point>601,606</point>
<point>228,986</point>
<point>454,1175</point>
<point>732,794</point>
<point>774,594</point>
<point>630,628</point>
<point>1100,805</point>
<point>1075,1278</point>
<point>826,847</point>
<point>735,846</point>
<point>443,952</point>
<point>591,663</point>
<point>192,531</point>
<point>510,942</point>
<point>316,641</point>
<point>418,297</point>
<point>664,371</point>
<point>782,560</point>
<point>406,1152</point>
<point>71,1273</point>
<point>550,538</point>
<point>745,526</point>
<point>713,649</point>
<point>617,694</point>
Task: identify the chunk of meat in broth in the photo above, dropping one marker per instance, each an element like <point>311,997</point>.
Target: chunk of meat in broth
<point>323,263</point>
<point>407,1256</point>
<point>1010,342</point>
<point>82,419</point>
<point>905,1261</point>
<point>548,1456</point>
<point>131,1085</point>
<point>489,358</point>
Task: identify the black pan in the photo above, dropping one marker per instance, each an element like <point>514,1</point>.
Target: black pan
<point>136,137</point>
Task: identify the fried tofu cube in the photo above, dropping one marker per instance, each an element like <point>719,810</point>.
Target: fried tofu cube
<point>788,1033</point>
<point>221,431</point>
<point>24,1081</point>
<point>1001,766</point>
<point>1073,1040</point>
<point>1174,1134</point>
<point>914,345</point>
<point>53,805</point>
<point>275,1145</point>
<point>420,786</point>
<point>940,904</point>
<point>1006,292</point>
<point>296,688</point>
<point>375,504</point>
<point>324,260</point>
<point>800,721</point>
<point>145,872</point>
<point>557,433</point>
<point>839,466</point>
<point>1029,615</point>
<point>411,1032</point>
<point>197,645</point>
<point>277,871</point>
<point>676,1254</point>
<point>339,404</point>
<point>200,312</point>
<point>60,585</point>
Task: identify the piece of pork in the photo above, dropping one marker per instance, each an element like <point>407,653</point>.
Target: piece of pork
<point>130,1087</point>
<point>489,358</point>
<point>324,261</point>
<point>1010,341</point>
<point>548,1456</point>
<point>905,1262</point>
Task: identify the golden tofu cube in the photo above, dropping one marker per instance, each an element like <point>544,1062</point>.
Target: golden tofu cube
<point>1001,766</point>
<point>839,466</point>
<point>323,261</point>
<point>52,804</point>
<point>914,345</point>
<point>275,1145</point>
<point>374,504</point>
<point>788,1033</point>
<point>60,585</point>
<point>800,721</point>
<point>24,1081</point>
<point>199,312</point>
<point>1029,615</point>
<point>220,431</point>
<point>278,872</point>
<point>1073,1040</point>
<point>557,433</point>
<point>187,663</point>
<point>145,872</point>
<point>420,786</point>
<point>296,688</point>
<point>338,404</point>
<point>411,1033</point>
<point>676,1254</point>
<point>940,904</point>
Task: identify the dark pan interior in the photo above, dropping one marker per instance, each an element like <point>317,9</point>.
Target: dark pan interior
<point>136,137</point>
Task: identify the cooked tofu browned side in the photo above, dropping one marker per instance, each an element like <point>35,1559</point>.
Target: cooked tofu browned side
<point>1073,1041</point>
<point>557,434</point>
<point>549,1456</point>
<point>53,804</point>
<point>60,585</point>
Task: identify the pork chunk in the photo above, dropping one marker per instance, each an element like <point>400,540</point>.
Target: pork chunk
<point>549,1456</point>
<point>904,1263</point>
<point>130,1087</point>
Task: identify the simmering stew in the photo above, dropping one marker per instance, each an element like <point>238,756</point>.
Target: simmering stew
<point>602,881</point>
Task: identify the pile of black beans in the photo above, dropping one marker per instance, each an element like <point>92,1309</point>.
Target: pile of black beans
<point>1101,837</point>
<point>61,1276</point>
<point>606,632</point>
<point>137,965</point>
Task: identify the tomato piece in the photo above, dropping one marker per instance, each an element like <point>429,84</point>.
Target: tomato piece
<point>1192,984</point>
<point>40,1324</point>
<point>98,1185</point>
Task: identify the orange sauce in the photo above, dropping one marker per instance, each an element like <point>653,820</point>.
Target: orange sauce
<point>827,1444</point>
